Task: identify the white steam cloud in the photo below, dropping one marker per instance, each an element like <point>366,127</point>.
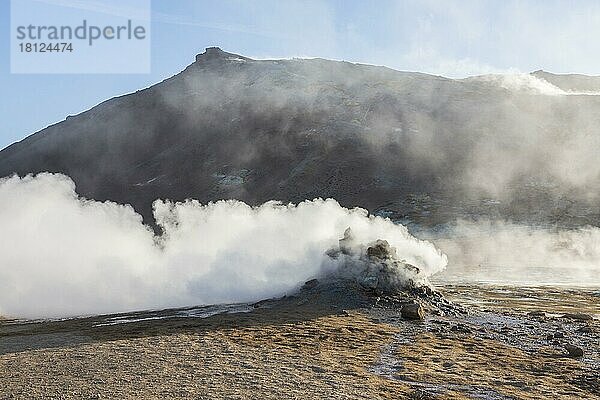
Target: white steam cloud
<point>527,83</point>
<point>61,255</point>
<point>521,83</point>
<point>508,253</point>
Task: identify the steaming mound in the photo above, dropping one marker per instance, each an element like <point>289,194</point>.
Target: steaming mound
<point>366,276</point>
<point>376,267</point>
<point>334,293</point>
<point>402,144</point>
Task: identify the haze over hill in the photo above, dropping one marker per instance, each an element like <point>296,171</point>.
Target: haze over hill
<point>571,82</point>
<point>495,171</point>
<point>402,144</point>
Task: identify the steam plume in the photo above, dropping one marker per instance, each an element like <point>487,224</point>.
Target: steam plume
<point>61,255</point>
<point>509,253</point>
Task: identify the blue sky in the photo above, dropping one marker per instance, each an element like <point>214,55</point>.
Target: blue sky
<point>454,38</point>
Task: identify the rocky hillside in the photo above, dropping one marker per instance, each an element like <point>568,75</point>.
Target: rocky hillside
<point>408,145</point>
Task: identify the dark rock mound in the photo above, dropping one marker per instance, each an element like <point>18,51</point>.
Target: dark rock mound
<point>412,311</point>
<point>573,351</point>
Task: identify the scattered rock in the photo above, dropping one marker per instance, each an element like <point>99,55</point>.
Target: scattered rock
<point>585,329</point>
<point>419,394</point>
<point>310,284</point>
<point>318,369</point>
<point>381,249</point>
<point>369,282</point>
<point>574,351</point>
<point>261,303</point>
<point>587,381</point>
<point>412,311</point>
<point>536,313</point>
<point>461,328</point>
<point>426,291</point>
<point>558,335</point>
<point>578,316</point>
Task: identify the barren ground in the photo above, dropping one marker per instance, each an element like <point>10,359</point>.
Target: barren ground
<point>304,348</point>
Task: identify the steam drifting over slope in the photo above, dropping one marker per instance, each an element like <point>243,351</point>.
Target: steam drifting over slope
<point>513,254</point>
<point>257,130</point>
<point>62,255</point>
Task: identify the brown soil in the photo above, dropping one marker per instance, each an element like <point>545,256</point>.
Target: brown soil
<point>303,350</point>
<point>324,357</point>
<point>467,364</point>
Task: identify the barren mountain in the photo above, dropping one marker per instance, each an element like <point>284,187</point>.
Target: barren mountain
<point>408,145</point>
